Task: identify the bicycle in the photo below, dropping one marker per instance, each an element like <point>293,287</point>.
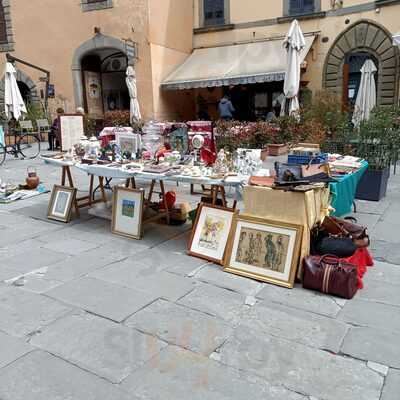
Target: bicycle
<point>25,144</point>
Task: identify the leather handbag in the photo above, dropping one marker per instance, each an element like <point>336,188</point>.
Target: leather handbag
<point>327,274</point>
<point>347,227</point>
<point>341,247</point>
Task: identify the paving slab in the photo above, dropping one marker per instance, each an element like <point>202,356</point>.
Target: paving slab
<point>36,283</point>
<point>41,376</point>
<point>167,286</point>
<point>177,244</point>
<point>391,389</point>
<point>387,231</point>
<point>181,326</point>
<point>370,344</point>
<point>383,272</point>
<point>23,313</point>
<point>380,292</point>
<point>21,247</point>
<point>35,259</point>
<point>296,325</point>
<point>385,251</point>
<point>372,207</point>
<point>301,298</point>
<point>367,219</point>
<point>181,374</point>
<point>222,303</point>
<point>12,348</point>
<point>102,298</point>
<point>370,314</point>
<point>301,368</point>
<point>71,246</point>
<point>75,267</point>
<point>105,348</point>
<point>215,275</point>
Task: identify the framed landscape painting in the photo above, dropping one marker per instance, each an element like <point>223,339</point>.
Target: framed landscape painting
<point>127,212</point>
<point>211,232</point>
<point>61,201</point>
<point>264,250</point>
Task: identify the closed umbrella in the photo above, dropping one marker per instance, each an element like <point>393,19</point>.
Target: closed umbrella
<point>294,44</point>
<point>366,96</point>
<point>135,115</point>
<point>14,104</point>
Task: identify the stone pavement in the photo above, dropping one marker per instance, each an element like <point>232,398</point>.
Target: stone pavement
<point>86,315</point>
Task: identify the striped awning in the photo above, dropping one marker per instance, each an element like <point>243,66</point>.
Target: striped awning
<point>255,62</point>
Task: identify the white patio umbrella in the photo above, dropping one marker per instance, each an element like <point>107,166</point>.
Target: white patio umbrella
<point>366,96</point>
<point>13,102</point>
<point>293,43</point>
<point>135,115</point>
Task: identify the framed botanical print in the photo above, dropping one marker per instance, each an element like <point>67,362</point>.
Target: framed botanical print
<point>211,232</point>
<point>61,201</point>
<point>264,250</point>
<point>127,212</point>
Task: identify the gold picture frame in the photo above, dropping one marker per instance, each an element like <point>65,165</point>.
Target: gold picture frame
<point>212,247</point>
<point>127,212</point>
<point>264,250</point>
<point>61,201</point>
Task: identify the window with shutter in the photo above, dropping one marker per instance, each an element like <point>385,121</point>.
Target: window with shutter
<point>3,26</point>
<point>92,5</point>
<point>214,12</point>
<point>297,7</point>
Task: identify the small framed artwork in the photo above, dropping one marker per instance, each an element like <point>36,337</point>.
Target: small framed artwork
<point>61,201</point>
<point>129,143</point>
<point>211,232</point>
<point>264,250</point>
<point>127,212</point>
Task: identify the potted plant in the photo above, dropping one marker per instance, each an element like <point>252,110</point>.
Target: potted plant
<point>377,138</point>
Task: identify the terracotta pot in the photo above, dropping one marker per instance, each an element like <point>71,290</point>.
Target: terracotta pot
<point>277,149</point>
<point>32,180</point>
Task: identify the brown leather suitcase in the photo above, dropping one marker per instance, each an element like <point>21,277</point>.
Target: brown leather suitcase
<point>327,274</point>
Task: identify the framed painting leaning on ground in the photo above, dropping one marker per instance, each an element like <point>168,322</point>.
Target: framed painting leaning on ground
<point>61,201</point>
<point>127,212</point>
<point>264,250</point>
<point>211,232</point>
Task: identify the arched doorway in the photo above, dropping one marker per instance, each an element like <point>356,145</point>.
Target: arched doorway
<point>25,92</point>
<point>362,40</point>
<point>99,65</point>
<point>103,74</point>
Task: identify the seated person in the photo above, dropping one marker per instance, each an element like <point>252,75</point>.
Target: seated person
<point>54,134</point>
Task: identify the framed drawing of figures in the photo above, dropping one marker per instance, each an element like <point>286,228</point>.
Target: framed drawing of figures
<point>61,201</point>
<point>127,212</point>
<point>264,250</point>
<point>211,232</point>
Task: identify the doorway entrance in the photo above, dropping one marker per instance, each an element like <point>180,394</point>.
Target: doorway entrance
<point>103,77</point>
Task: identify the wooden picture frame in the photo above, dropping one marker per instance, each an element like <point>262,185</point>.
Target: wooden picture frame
<point>264,250</point>
<point>128,142</point>
<point>127,212</point>
<point>71,127</point>
<point>61,201</point>
<point>210,244</point>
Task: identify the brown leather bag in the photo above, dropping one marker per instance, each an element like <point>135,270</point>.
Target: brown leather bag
<point>327,274</point>
<point>347,228</point>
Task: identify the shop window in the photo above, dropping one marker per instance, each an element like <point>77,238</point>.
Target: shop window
<point>91,5</point>
<point>214,12</point>
<point>298,7</point>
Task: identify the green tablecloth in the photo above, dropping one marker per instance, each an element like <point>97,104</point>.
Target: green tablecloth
<point>343,192</point>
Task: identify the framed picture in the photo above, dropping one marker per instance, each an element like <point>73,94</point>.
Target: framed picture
<point>129,143</point>
<point>264,250</point>
<point>211,232</point>
<point>127,212</point>
<point>71,130</point>
<point>61,201</point>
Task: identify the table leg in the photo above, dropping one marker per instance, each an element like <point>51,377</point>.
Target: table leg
<point>91,190</point>
<point>103,193</point>
<point>153,182</point>
<point>63,175</point>
<point>223,195</point>
<point>165,201</point>
<point>69,176</point>
<point>214,194</point>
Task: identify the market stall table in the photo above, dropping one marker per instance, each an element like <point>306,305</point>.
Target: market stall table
<point>344,191</point>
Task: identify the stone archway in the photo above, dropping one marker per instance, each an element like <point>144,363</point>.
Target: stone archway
<point>369,37</point>
<point>98,42</point>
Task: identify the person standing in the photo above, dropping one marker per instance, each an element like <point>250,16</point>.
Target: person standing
<point>226,109</point>
<point>54,134</point>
